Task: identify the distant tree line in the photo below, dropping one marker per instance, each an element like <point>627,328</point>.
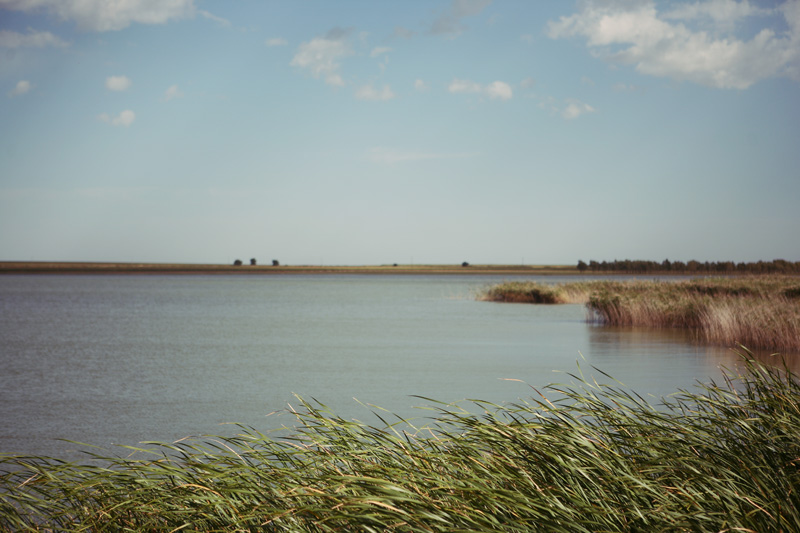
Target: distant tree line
<point>776,266</point>
<point>254,262</point>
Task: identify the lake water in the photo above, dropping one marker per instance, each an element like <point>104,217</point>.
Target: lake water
<point>122,359</point>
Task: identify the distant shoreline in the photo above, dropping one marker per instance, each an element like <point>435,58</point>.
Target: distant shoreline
<point>67,267</point>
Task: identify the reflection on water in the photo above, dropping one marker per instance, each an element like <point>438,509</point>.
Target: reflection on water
<point>121,359</point>
<point>649,355</point>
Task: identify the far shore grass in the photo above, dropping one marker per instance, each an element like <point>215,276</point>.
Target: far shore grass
<point>761,312</point>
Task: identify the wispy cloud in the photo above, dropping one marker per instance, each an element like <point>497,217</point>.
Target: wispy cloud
<point>103,15</point>
<point>322,55</point>
<point>368,92</point>
<point>569,109</point>
<point>464,86</point>
<point>495,90</point>
<point>402,33</point>
<point>118,83</point>
<point>219,20</point>
<point>172,92</point>
<point>724,14</point>
<point>574,109</point>
<point>125,118</point>
<point>379,51</point>
<point>450,22</point>
<point>22,87</point>
<point>276,41</point>
<point>420,85</point>
<point>32,39</point>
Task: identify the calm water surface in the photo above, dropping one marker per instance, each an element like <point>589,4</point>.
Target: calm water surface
<point>123,359</point>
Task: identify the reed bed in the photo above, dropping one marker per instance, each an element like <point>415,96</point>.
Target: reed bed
<point>580,458</point>
<point>540,293</point>
<point>760,312</point>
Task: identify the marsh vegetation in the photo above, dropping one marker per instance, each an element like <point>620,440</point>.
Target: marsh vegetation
<point>584,457</point>
<point>761,312</point>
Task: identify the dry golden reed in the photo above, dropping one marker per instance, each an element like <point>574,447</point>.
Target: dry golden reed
<point>761,312</point>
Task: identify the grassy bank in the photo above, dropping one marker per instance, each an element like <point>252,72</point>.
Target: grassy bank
<point>760,312</point>
<point>722,458</point>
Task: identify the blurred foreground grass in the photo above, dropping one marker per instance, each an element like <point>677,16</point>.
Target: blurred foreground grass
<point>582,458</point>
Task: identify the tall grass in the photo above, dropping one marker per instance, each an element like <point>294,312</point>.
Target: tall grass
<point>759,312</point>
<point>540,293</point>
<point>583,458</point>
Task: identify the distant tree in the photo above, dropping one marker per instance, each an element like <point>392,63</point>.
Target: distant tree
<point>723,267</point>
<point>275,263</point>
<point>237,263</point>
<point>253,262</point>
<point>464,264</point>
<point>582,266</point>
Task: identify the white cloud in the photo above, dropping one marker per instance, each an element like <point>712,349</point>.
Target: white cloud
<point>528,38</point>
<point>450,21</point>
<point>390,156</point>
<point>22,87</point>
<point>575,109</point>
<point>495,90</point>
<point>321,56</point>
<point>420,85</point>
<point>125,118</point>
<point>499,89</point>
<point>636,34</point>
<point>106,15</point>
<point>379,51</point>
<point>172,92</point>
<point>528,83</point>
<point>118,83</point>
<point>464,86</point>
<point>32,39</point>
<point>276,41</point>
<point>368,92</point>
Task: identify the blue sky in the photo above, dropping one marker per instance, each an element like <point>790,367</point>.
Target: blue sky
<point>371,132</point>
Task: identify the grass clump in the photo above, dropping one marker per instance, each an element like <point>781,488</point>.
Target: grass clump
<point>582,458</point>
<point>762,312</point>
<point>540,293</point>
<point>758,312</point>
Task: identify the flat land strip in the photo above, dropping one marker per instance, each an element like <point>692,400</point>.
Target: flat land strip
<point>64,267</point>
